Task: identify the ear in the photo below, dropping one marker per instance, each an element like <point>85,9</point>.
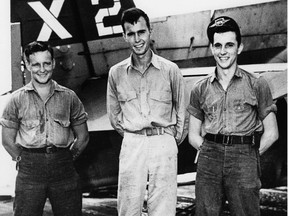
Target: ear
<point>53,63</point>
<point>150,33</point>
<point>240,48</point>
<point>211,48</point>
<point>124,36</point>
<point>27,64</point>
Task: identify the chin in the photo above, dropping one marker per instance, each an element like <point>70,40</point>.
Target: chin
<point>43,81</point>
<point>141,52</point>
<point>224,66</point>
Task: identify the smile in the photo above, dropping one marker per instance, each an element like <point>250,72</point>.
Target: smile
<point>42,74</point>
<point>139,46</point>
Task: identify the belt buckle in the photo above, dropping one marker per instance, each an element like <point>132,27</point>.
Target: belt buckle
<point>149,131</point>
<point>226,141</point>
<point>161,131</point>
<point>49,149</point>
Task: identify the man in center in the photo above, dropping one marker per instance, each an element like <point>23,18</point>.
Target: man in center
<point>146,105</point>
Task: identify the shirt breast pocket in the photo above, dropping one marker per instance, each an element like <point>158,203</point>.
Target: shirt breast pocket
<point>244,105</point>
<point>127,97</point>
<point>29,130</point>
<point>161,102</point>
<point>128,102</point>
<point>31,126</point>
<point>62,130</point>
<point>161,96</point>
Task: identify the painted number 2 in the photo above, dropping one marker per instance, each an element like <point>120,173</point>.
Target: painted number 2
<point>102,30</point>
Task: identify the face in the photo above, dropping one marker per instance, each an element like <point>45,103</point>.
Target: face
<point>41,66</point>
<point>225,49</point>
<point>137,36</point>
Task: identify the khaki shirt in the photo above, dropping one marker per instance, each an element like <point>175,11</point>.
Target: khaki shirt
<point>239,110</point>
<point>155,98</point>
<point>42,123</point>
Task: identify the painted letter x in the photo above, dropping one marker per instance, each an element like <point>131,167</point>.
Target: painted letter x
<point>50,22</point>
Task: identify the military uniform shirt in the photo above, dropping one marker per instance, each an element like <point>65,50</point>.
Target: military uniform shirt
<point>237,111</point>
<point>155,98</point>
<point>42,123</point>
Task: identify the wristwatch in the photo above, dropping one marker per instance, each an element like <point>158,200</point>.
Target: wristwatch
<point>17,159</point>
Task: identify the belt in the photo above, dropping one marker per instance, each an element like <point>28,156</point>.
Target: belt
<point>230,139</point>
<point>151,131</point>
<point>47,149</point>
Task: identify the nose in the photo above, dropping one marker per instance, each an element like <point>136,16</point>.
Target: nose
<point>137,38</point>
<point>223,50</point>
<point>42,68</point>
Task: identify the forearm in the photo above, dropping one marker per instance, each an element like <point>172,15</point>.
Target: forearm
<point>8,142</point>
<point>196,140</point>
<point>13,150</point>
<point>266,142</point>
<point>78,146</point>
<point>81,140</point>
<point>270,134</point>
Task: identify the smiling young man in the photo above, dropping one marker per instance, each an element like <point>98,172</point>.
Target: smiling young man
<point>232,120</point>
<point>43,129</point>
<point>146,105</point>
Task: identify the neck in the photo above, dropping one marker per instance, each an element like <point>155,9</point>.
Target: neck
<point>141,62</point>
<point>40,86</point>
<point>43,89</point>
<point>226,74</point>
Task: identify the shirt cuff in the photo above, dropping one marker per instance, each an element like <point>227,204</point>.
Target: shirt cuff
<point>9,124</point>
<point>82,119</point>
<point>272,108</point>
<point>195,112</point>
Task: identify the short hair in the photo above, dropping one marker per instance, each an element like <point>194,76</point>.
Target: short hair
<point>223,24</point>
<point>132,15</point>
<point>37,46</point>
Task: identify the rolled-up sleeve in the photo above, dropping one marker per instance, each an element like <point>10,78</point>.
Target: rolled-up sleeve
<point>9,116</point>
<point>265,100</point>
<point>194,107</point>
<point>78,114</point>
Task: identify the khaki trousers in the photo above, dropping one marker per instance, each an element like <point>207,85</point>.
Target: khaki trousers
<point>152,158</point>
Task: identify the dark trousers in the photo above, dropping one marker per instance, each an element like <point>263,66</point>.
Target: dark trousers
<point>41,176</point>
<point>228,172</point>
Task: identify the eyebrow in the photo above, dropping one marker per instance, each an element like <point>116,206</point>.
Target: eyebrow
<point>139,31</point>
<point>228,43</point>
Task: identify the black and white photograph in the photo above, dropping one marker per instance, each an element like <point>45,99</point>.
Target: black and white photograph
<point>143,108</point>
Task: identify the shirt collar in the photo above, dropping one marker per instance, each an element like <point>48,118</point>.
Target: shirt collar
<point>54,86</point>
<point>214,74</point>
<point>154,62</point>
